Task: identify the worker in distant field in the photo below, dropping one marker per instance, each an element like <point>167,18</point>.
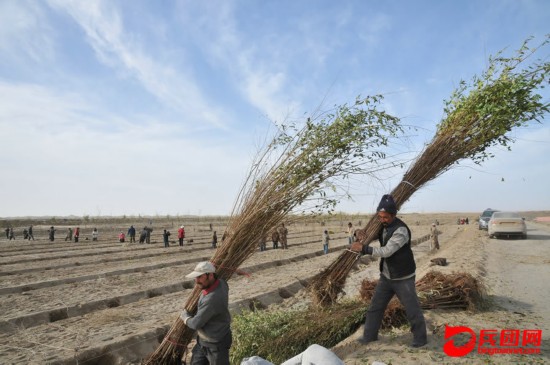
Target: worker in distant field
<point>212,320</point>
<point>326,239</point>
<point>76,234</point>
<point>351,233</point>
<point>132,234</point>
<point>214,240</point>
<point>434,233</point>
<point>181,235</point>
<point>275,239</point>
<point>121,237</point>
<point>283,233</point>
<point>95,234</point>
<point>263,240</point>
<point>397,274</point>
<point>11,234</point>
<point>29,232</point>
<point>143,235</point>
<point>165,237</point>
<point>69,235</point>
<point>148,231</point>
<point>51,233</point>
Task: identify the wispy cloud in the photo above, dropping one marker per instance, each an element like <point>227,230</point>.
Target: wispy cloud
<point>138,107</point>
<point>88,160</point>
<point>255,68</point>
<point>115,47</point>
<point>23,31</point>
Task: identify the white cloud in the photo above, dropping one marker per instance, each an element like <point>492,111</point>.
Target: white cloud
<point>24,32</point>
<point>72,162</point>
<point>117,48</point>
<point>254,67</point>
<point>144,107</point>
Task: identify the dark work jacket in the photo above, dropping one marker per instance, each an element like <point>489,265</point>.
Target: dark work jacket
<point>401,263</point>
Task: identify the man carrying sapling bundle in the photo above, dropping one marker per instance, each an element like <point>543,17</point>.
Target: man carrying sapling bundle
<point>397,274</point>
<point>212,320</point>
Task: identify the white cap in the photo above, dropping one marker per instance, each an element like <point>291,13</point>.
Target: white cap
<point>204,267</point>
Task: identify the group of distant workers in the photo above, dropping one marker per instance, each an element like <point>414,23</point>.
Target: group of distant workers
<point>29,235</point>
<point>145,234</point>
<point>278,235</point>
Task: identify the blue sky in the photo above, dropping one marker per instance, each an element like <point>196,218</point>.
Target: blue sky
<point>158,107</point>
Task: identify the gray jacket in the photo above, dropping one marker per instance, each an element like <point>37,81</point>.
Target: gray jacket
<point>212,321</point>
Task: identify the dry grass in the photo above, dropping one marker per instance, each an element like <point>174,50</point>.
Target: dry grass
<point>435,291</point>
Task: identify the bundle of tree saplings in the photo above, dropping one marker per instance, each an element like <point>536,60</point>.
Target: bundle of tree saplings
<point>479,115</point>
<point>292,174</point>
<point>435,291</point>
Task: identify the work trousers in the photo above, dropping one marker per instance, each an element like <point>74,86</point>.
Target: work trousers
<point>212,354</point>
<point>434,245</point>
<point>406,293</point>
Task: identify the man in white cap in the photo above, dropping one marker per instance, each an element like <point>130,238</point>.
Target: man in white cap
<point>397,274</point>
<point>181,234</point>
<point>212,320</point>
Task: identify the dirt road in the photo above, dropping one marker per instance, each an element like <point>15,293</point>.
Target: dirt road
<point>518,275</point>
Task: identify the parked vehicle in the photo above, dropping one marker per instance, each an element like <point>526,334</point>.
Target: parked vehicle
<point>507,224</point>
<point>484,218</point>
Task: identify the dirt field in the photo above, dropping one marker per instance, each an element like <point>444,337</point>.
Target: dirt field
<point>110,303</point>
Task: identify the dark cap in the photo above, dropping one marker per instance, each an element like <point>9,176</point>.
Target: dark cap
<point>387,205</point>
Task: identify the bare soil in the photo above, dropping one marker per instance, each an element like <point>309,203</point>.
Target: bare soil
<point>110,303</point>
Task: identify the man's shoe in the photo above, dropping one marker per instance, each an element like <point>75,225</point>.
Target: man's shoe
<point>417,345</point>
<point>364,341</point>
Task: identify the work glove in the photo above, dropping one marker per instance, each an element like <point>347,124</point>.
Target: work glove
<point>367,250</point>
<point>359,248</point>
<point>184,315</point>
